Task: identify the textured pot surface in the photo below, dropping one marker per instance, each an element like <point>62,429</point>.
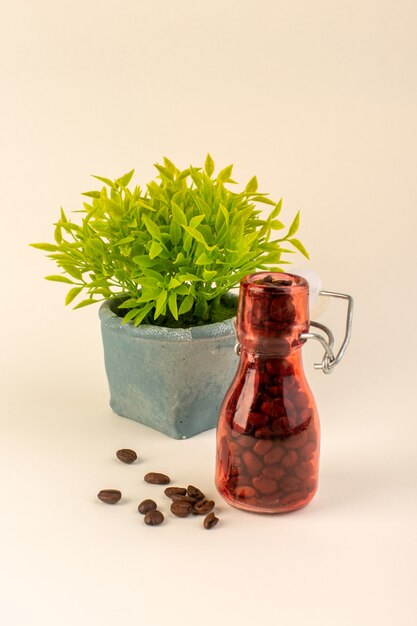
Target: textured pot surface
<point>171,379</point>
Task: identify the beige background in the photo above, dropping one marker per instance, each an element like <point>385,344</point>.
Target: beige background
<point>319,100</point>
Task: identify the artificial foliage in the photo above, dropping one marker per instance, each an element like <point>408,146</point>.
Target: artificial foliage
<point>171,251</point>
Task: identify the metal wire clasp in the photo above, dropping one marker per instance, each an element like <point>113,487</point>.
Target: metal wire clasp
<point>329,359</point>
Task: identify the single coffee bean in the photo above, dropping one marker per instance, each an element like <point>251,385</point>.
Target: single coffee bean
<point>290,483</point>
<point>194,492</point>
<point>147,505</point>
<point>109,496</point>
<point>307,452</point>
<point>291,498</point>
<point>262,446</point>
<point>203,506</point>
<point>210,520</point>
<point>289,459</point>
<point>304,470</point>
<point>155,478</point>
<point>310,484</point>
<point>245,441</point>
<point>178,491</point>
<point>176,497</point>
<point>264,432</point>
<point>296,441</point>
<point>252,462</point>
<point>181,509</point>
<point>126,456</point>
<point>153,518</point>
<point>274,456</point>
<point>263,484</point>
<point>245,491</point>
<point>273,471</point>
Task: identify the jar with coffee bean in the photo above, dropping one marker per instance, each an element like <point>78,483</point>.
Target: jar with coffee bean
<point>268,433</point>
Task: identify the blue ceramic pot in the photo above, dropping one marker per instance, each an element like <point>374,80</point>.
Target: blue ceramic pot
<point>171,379</point>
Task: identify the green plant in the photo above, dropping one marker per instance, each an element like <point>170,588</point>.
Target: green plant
<point>171,252</point>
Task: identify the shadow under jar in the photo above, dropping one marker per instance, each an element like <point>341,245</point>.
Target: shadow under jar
<point>268,432</point>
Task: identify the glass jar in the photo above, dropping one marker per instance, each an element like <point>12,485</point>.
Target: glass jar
<point>268,433</point>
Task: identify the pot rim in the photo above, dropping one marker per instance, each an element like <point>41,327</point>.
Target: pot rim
<point>162,333</point>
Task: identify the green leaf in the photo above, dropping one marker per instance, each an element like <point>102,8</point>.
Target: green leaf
<point>149,294</point>
<point>204,259</point>
<point>160,304</point>
<point>125,179</point>
<point>209,165</point>
<point>152,227</point>
<point>178,214</point>
<point>276,224</point>
<point>297,244</point>
<point>58,234</point>
<point>224,175</point>
<point>128,304</point>
<point>209,275</point>
<point>48,247</point>
<point>198,236</point>
<point>73,293</point>
<point>72,271</point>
<point>83,303</point>
<point>142,260</point>
<point>185,277</point>
<point>174,282</point>
<point>91,194</point>
<point>143,313</point>
<point>172,304</point>
<point>263,200</point>
<point>170,166</point>
<point>106,181</point>
<point>294,226</point>
<point>130,315</point>
<point>175,232</point>
<point>196,221</point>
<point>186,304</point>
<point>125,240</point>
<point>252,185</point>
<point>165,172</point>
<point>59,279</point>
<point>155,250</point>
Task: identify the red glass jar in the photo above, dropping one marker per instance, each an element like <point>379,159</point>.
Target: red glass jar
<point>268,429</point>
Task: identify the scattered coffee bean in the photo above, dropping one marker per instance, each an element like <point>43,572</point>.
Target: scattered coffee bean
<point>126,456</point>
<point>147,505</point>
<point>155,478</point>
<point>178,491</point>
<point>210,520</point>
<point>176,497</point>
<point>109,496</point>
<point>181,509</point>
<point>154,518</point>
<point>194,492</point>
<point>203,506</point>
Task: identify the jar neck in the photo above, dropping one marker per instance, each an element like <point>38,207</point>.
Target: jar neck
<point>272,313</point>
<point>255,353</point>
